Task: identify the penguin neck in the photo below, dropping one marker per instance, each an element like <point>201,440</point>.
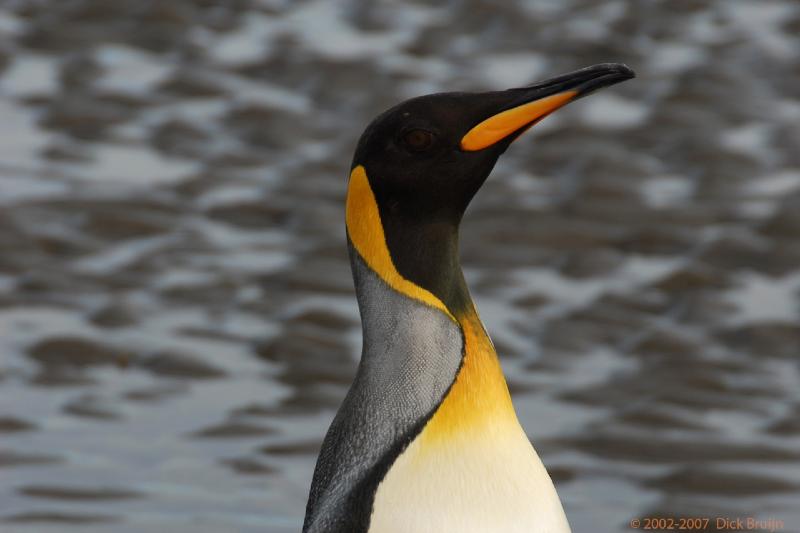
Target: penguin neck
<point>478,398</point>
<point>417,257</point>
<point>426,253</point>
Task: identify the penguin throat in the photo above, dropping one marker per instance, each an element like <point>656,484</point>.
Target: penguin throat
<point>415,256</point>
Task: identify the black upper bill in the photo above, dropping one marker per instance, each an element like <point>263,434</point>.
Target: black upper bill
<point>583,81</point>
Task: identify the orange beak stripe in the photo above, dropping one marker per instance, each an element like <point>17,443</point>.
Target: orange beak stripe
<point>503,124</point>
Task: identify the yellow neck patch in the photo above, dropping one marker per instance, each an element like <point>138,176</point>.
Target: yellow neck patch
<point>479,400</point>
<point>366,233</point>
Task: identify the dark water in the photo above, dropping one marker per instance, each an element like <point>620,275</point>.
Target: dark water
<point>177,322</point>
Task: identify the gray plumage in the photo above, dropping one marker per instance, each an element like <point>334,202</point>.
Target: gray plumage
<point>410,357</point>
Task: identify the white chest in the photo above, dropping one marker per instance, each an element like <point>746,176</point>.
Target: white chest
<point>473,482</point>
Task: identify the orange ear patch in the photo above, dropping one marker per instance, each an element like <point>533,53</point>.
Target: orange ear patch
<point>366,233</point>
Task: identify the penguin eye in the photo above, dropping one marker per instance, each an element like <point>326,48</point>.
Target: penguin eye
<point>418,140</point>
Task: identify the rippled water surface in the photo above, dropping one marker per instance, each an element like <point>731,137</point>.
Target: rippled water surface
<point>177,321</point>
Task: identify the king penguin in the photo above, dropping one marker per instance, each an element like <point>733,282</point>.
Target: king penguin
<point>427,439</point>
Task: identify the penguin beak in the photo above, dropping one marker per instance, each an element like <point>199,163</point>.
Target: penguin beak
<point>526,106</point>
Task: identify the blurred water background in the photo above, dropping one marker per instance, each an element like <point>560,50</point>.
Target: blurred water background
<point>177,320</point>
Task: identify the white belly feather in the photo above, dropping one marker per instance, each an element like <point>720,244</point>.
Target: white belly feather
<point>474,482</point>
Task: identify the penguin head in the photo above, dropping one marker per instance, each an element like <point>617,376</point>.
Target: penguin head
<point>427,157</point>
<point>418,165</point>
